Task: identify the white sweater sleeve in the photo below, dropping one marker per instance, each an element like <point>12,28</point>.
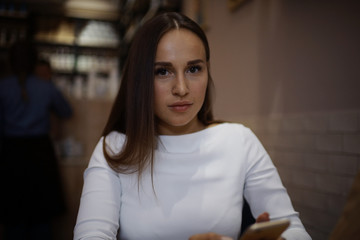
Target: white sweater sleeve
<point>265,192</point>
<point>98,216</point>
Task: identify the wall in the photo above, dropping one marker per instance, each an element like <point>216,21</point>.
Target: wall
<point>317,156</point>
<point>289,70</point>
<point>290,56</point>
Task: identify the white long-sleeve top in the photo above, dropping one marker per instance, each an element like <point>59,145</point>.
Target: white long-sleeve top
<point>199,183</point>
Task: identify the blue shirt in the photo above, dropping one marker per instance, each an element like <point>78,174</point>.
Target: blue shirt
<point>20,118</point>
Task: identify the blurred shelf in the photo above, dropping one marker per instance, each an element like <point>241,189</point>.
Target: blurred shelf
<point>92,9</point>
<point>13,16</point>
<point>50,43</point>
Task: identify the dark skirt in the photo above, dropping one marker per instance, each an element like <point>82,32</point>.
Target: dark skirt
<point>31,189</point>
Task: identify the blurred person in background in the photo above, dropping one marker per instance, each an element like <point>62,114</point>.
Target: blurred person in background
<point>30,181</point>
<point>43,69</point>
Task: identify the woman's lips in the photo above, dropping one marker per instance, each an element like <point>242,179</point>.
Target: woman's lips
<point>180,106</point>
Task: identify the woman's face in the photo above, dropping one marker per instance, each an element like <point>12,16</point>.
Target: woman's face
<point>180,82</point>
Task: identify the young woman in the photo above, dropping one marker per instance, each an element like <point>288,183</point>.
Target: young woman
<point>164,169</point>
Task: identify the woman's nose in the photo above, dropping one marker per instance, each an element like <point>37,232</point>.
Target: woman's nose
<point>180,87</point>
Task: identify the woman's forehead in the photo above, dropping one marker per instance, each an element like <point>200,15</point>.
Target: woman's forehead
<point>180,43</point>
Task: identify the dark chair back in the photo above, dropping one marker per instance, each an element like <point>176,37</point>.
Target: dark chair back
<point>247,217</point>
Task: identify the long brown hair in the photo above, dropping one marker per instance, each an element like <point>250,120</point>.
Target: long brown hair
<point>133,111</point>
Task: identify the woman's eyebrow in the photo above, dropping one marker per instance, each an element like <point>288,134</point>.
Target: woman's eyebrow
<point>166,64</point>
<point>195,61</point>
<point>169,64</point>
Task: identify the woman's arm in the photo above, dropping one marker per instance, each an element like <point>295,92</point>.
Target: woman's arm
<point>98,216</point>
<point>265,192</point>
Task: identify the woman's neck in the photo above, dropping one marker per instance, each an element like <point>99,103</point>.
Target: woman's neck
<point>193,126</point>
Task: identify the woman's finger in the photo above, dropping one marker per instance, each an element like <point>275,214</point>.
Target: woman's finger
<point>264,217</point>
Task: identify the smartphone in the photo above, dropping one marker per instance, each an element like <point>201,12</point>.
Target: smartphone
<point>270,230</point>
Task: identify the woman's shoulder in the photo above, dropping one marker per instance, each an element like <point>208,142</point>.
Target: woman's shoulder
<point>226,131</point>
<point>114,140</point>
<point>230,127</point>
<point>35,80</point>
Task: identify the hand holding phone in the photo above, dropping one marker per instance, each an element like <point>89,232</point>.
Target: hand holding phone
<point>270,230</point>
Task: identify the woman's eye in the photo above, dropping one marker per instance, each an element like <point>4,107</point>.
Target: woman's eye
<point>161,72</point>
<point>194,69</point>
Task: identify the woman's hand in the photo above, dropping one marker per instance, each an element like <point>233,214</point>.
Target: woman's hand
<point>209,236</point>
<point>214,236</point>
<point>264,217</point>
